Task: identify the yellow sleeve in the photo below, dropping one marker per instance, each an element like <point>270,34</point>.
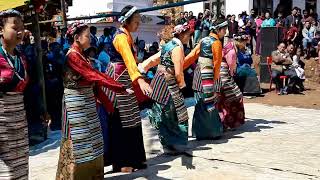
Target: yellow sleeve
<point>217,58</point>
<point>121,44</point>
<point>192,57</point>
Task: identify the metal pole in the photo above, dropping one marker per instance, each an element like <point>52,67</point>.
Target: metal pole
<point>64,16</point>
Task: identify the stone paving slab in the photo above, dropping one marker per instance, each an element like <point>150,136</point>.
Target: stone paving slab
<point>275,143</point>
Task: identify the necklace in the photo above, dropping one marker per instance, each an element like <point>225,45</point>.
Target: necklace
<point>9,59</point>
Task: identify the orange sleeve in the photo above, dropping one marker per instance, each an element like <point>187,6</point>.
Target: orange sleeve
<point>121,44</point>
<point>192,57</point>
<point>217,58</point>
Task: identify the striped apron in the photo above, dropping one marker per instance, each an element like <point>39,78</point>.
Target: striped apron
<point>229,88</point>
<point>14,145</point>
<point>203,83</point>
<point>81,124</point>
<point>127,104</point>
<point>165,85</point>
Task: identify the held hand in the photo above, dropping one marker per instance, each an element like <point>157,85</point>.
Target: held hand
<point>145,87</point>
<point>129,91</point>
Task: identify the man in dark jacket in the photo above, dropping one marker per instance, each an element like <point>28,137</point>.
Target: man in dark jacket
<point>233,26</point>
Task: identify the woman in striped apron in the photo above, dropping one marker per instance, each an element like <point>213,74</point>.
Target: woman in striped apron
<point>206,83</point>
<point>230,106</point>
<point>169,115</point>
<point>126,139</point>
<point>81,151</point>
<point>14,144</point>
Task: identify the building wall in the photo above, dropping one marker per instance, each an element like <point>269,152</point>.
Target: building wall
<point>236,7</point>
<point>299,3</point>
<point>196,8</point>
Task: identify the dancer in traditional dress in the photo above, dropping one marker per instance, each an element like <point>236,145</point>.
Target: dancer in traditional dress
<point>230,105</point>
<point>81,151</point>
<point>126,139</point>
<point>14,144</point>
<point>206,83</point>
<point>169,115</point>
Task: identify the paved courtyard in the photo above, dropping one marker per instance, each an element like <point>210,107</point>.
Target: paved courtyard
<point>275,143</point>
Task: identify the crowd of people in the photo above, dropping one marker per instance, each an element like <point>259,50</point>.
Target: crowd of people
<point>97,86</point>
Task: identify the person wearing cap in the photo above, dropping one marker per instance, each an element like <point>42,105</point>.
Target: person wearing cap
<point>206,82</point>
<point>82,145</point>
<point>169,115</point>
<point>126,140</point>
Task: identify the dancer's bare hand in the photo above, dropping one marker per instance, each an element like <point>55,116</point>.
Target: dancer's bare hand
<point>144,86</point>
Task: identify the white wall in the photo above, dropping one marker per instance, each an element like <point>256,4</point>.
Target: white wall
<point>237,6</point>
<point>196,8</point>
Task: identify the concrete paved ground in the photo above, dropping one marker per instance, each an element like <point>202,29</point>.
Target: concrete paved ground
<point>275,143</point>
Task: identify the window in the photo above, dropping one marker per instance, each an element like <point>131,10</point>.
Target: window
<point>263,5</point>
<point>215,6</point>
<point>311,5</point>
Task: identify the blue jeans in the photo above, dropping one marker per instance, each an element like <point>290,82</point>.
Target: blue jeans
<point>305,42</point>
<point>197,36</point>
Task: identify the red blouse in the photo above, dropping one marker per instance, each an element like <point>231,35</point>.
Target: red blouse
<point>80,73</point>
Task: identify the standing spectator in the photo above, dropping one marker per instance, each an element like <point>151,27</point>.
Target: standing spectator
<point>308,34</point>
<point>305,16</point>
<point>280,20</point>
<point>186,16</point>
<point>292,34</point>
<point>93,38</point>
<point>142,53</point>
<point>259,22</point>
<point>191,16</point>
<point>104,57</point>
<point>197,29</point>
<point>233,26</point>
<point>268,22</point>
<point>192,23</point>
<point>106,33</point>
<point>206,24</point>
<point>240,20</point>
<point>293,18</point>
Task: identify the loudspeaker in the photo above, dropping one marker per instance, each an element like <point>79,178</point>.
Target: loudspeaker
<point>270,38</point>
<point>264,73</point>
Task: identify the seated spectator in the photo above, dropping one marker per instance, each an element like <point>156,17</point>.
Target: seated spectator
<point>104,58</point>
<point>308,34</point>
<point>295,72</point>
<point>268,22</point>
<point>106,34</point>
<point>281,61</point>
<point>246,76</point>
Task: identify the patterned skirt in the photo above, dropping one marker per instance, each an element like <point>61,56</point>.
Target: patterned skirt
<point>81,152</point>
<point>170,130</point>
<point>126,139</point>
<point>206,124</point>
<point>14,145</point>
<point>230,105</point>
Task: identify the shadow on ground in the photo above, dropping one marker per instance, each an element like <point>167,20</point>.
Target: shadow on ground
<point>158,163</point>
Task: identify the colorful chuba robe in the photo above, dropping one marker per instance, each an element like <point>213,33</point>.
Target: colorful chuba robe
<point>230,106</point>
<point>14,144</point>
<point>81,152</point>
<point>126,139</point>
<point>206,85</point>
<point>169,115</point>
